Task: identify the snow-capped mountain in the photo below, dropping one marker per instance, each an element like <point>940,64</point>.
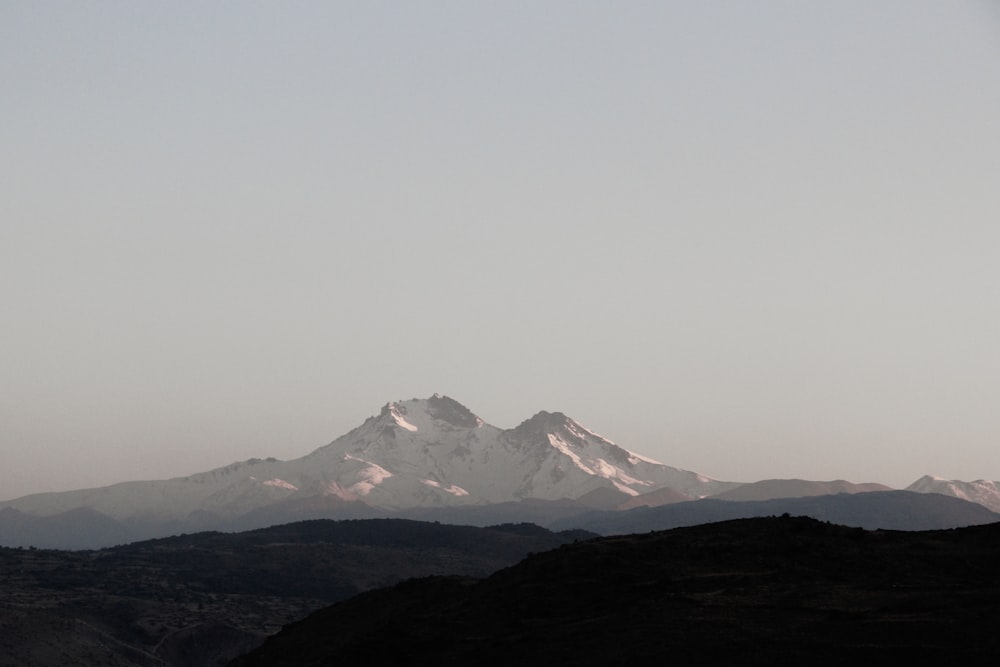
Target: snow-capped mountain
<point>983,491</point>
<point>416,453</point>
<point>434,451</point>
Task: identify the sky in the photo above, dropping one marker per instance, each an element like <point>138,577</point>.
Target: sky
<point>754,240</point>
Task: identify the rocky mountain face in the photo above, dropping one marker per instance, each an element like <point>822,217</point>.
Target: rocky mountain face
<point>420,453</point>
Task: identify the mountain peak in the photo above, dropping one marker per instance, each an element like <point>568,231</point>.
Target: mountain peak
<point>451,411</point>
<point>419,413</point>
<point>416,453</point>
<point>543,422</point>
<point>556,423</point>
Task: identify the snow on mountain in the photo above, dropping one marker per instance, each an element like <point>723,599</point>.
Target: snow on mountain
<point>982,491</point>
<point>225,491</point>
<point>416,453</point>
<point>438,453</point>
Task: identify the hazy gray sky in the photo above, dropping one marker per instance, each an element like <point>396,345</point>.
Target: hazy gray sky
<point>751,239</point>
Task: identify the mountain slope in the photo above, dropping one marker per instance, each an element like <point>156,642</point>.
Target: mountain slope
<point>200,600</point>
<point>983,491</point>
<point>751,592</point>
<point>435,452</point>
<point>421,453</point>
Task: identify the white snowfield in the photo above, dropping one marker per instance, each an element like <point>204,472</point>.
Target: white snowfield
<point>415,453</point>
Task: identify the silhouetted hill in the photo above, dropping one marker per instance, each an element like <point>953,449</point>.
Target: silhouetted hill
<point>306,509</point>
<point>531,510</point>
<point>202,599</point>
<point>759,591</point>
<point>891,510</point>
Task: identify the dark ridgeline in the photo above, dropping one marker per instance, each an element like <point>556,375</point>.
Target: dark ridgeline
<point>200,600</point>
<point>761,591</point>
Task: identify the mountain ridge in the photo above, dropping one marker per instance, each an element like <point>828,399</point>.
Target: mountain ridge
<point>417,457</point>
<point>415,453</point>
<point>984,492</point>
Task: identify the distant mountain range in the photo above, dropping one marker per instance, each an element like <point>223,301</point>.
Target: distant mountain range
<point>430,459</point>
<point>888,510</point>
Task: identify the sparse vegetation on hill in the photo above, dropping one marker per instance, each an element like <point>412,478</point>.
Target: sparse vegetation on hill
<point>202,599</point>
<point>759,591</point>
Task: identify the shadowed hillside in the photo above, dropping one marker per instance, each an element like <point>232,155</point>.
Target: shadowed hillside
<point>753,591</point>
<point>199,600</point>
